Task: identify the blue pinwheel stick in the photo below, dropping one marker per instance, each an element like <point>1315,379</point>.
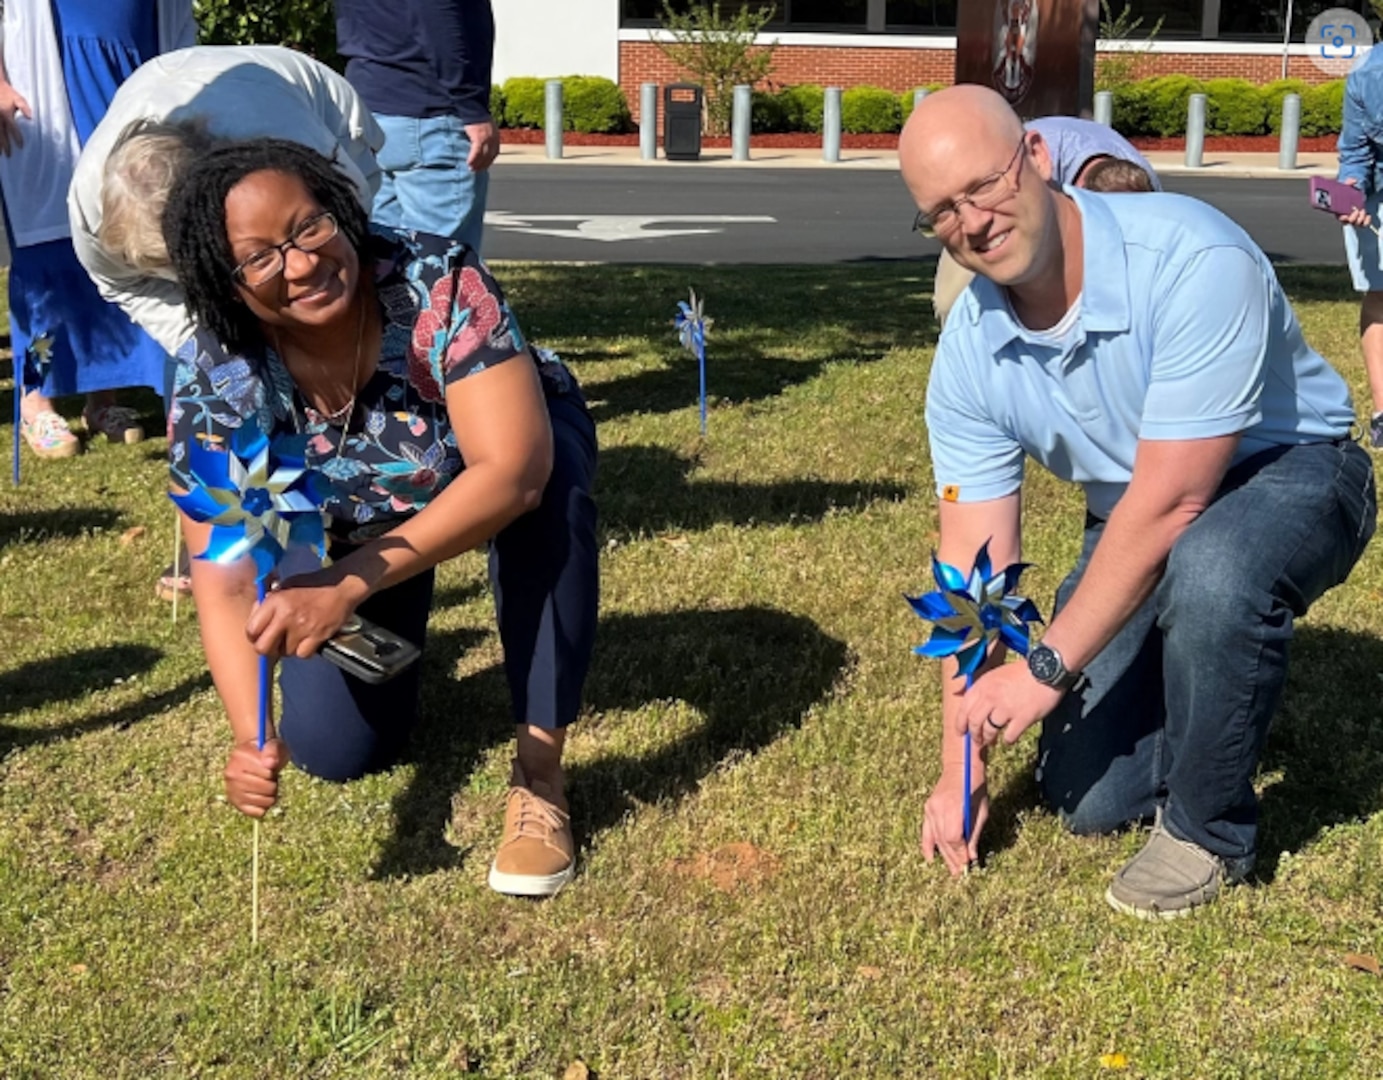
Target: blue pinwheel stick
<point>260,499</point>
<point>691,324</point>
<point>968,614</point>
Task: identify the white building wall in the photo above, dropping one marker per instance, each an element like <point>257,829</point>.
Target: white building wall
<point>549,38</point>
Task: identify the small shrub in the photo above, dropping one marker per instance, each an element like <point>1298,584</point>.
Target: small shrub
<point>524,101</point>
<point>1130,113</point>
<point>1235,107</point>
<point>1274,92</point>
<point>869,110</point>
<point>767,115</point>
<point>803,106</point>
<point>1322,108</point>
<point>1167,97</point>
<point>905,99</point>
<point>594,105</point>
<point>497,105</point>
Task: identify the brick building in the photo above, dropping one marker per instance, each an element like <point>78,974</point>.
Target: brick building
<point>896,44</point>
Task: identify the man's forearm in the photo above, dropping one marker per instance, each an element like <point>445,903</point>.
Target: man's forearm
<point>1126,566</point>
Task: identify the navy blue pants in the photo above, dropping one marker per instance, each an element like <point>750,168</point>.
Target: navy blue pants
<point>544,568</point>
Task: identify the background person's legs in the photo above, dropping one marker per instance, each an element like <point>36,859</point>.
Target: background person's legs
<point>427,186</point>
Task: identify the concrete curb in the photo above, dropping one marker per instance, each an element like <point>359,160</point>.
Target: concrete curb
<point>1254,166</point>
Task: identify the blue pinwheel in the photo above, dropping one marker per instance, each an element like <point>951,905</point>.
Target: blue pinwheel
<point>969,613</point>
<point>691,324</point>
<point>260,499</point>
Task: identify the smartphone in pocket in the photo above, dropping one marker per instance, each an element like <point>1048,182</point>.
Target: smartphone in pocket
<point>369,652</point>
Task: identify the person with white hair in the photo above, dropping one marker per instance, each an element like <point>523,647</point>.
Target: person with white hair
<point>170,110</point>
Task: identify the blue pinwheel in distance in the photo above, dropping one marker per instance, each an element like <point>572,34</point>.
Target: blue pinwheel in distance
<point>969,613</point>
<point>259,498</point>
<point>691,324</point>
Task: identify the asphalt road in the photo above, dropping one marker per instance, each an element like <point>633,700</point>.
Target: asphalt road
<point>631,214</point>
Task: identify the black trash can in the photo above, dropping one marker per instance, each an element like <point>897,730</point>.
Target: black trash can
<point>682,122</point>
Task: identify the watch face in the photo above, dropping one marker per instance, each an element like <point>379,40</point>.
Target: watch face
<point>1044,664</point>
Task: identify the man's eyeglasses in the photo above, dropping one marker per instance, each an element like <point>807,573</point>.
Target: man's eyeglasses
<point>986,194</point>
<point>267,263</point>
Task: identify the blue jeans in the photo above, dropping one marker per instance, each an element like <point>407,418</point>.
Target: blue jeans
<point>1177,706</point>
<point>426,185</point>
<point>544,567</point>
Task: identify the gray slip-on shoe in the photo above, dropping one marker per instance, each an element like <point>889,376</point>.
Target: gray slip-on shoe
<point>1169,878</point>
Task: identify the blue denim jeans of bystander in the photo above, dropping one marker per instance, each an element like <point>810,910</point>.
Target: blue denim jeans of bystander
<point>427,186</point>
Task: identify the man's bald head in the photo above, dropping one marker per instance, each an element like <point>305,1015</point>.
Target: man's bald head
<point>949,129</point>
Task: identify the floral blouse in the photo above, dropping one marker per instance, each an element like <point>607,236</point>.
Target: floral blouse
<point>444,319</point>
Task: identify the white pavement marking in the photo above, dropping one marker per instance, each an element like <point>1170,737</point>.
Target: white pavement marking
<point>614,227</point>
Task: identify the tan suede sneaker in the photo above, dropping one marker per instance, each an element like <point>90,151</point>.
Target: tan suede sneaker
<point>537,855</point>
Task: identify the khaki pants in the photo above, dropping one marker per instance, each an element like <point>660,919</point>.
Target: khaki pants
<point>952,279</point>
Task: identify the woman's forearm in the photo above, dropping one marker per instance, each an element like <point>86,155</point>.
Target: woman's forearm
<point>225,597</point>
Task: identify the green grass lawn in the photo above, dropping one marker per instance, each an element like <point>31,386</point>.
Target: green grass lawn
<point>747,782</point>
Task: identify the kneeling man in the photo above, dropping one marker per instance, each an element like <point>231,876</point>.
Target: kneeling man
<point>1140,346</point>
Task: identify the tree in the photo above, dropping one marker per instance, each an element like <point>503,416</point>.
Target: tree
<point>718,52</point>
<point>308,25</point>
<point>1119,67</point>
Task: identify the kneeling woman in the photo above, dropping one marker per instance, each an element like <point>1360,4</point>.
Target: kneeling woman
<point>438,429</point>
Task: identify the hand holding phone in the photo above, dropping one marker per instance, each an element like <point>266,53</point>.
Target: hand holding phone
<point>1339,199</point>
<point>369,652</point>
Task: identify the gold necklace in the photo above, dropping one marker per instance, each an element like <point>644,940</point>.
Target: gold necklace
<point>343,414</point>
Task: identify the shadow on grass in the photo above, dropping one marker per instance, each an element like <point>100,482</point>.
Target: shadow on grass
<point>66,678</point>
<point>734,378</point>
<point>1326,741</point>
<point>872,308</point>
<point>30,527</point>
<point>629,473</point>
<point>1327,746</point>
<point>728,665</point>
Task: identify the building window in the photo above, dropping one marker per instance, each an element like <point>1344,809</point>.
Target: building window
<point>1264,20</point>
<point>851,16</point>
<point>1180,18</point>
<point>912,15</point>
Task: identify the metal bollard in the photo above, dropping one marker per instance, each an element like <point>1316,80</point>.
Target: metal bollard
<point>1195,131</point>
<point>830,125</point>
<point>1104,108</point>
<point>648,121</point>
<point>918,95</point>
<point>742,109</point>
<point>1291,130</point>
<point>552,117</point>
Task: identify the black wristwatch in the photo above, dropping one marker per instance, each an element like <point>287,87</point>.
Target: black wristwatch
<point>1047,667</point>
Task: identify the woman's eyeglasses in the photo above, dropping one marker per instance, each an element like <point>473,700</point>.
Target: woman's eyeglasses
<point>984,195</point>
<point>267,263</point>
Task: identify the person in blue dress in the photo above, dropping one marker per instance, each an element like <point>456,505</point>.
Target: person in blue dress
<point>62,63</point>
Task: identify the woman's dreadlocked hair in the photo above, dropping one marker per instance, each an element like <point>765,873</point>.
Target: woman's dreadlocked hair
<point>194,228</point>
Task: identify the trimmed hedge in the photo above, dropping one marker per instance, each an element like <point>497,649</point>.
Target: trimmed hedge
<point>1273,94</point>
<point>497,106</point>
<point>905,99</point>
<point>870,110</point>
<point>1235,107</point>
<point>1322,107</point>
<point>767,116</point>
<point>803,106</point>
<point>590,104</point>
<point>1166,98</point>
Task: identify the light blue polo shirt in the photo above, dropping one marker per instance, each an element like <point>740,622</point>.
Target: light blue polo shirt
<point>1183,332</point>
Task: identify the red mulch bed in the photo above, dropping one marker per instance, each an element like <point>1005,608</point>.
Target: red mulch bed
<point>1263,144</point>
